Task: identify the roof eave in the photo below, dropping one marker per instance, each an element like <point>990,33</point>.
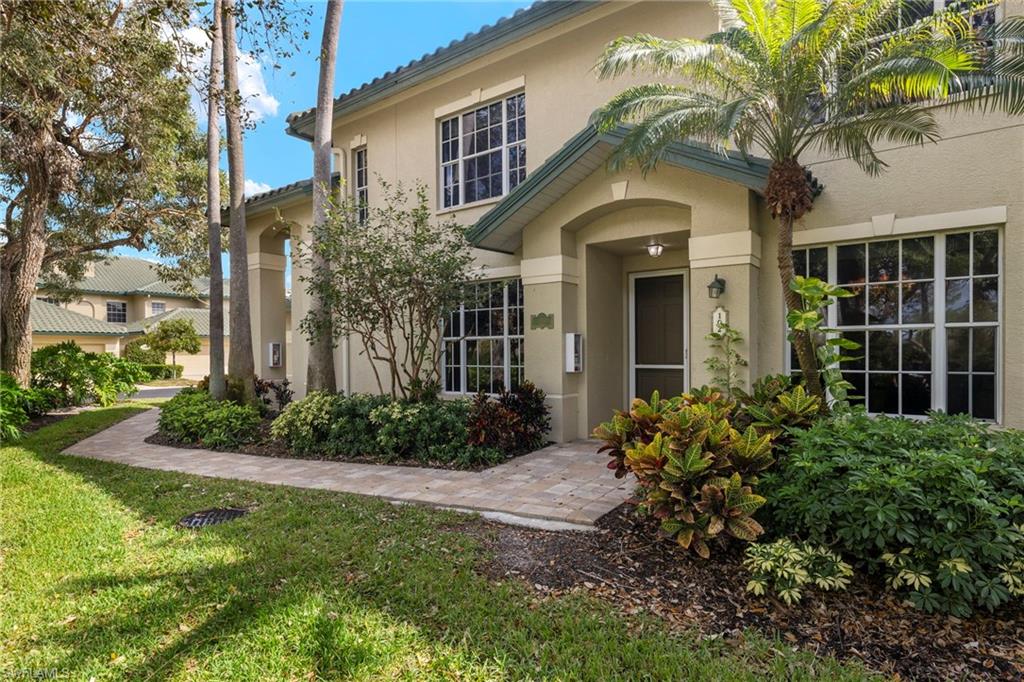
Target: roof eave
<point>750,172</point>
<point>488,39</point>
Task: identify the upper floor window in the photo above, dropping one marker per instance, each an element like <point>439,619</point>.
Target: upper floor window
<point>117,311</point>
<point>361,187</point>
<point>925,311</point>
<point>157,308</point>
<point>48,299</point>
<point>483,152</point>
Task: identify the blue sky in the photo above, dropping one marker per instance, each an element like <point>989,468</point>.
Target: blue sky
<point>376,36</point>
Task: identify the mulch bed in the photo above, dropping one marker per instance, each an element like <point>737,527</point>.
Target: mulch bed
<point>266,445</point>
<point>49,418</point>
<point>625,562</point>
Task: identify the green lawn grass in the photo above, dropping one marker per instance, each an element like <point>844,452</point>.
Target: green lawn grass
<point>95,581</point>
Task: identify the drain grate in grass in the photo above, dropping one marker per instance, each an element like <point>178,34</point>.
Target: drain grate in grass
<point>209,517</point>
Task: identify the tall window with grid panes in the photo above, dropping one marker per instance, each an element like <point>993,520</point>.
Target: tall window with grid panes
<point>483,339</point>
<point>361,186</point>
<point>483,152</point>
<point>926,313</point>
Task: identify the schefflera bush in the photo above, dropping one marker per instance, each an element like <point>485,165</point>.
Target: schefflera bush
<point>696,471</point>
<point>935,506</point>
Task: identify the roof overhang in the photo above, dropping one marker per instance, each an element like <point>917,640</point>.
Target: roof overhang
<point>523,23</point>
<point>500,229</point>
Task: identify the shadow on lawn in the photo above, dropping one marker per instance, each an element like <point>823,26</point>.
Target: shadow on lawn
<point>314,581</point>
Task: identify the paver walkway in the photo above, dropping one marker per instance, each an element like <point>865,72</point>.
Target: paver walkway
<point>561,483</point>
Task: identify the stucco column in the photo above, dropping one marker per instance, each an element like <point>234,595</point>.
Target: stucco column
<point>267,306</point>
<point>550,286</point>
<point>736,258</point>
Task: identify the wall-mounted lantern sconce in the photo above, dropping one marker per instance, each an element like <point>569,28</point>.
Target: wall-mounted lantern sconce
<point>717,287</point>
<point>655,248</point>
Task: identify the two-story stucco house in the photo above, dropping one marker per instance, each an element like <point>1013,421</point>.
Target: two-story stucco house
<point>496,124</point>
<point>119,298</point>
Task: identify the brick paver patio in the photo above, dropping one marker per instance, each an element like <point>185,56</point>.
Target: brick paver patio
<point>561,483</point>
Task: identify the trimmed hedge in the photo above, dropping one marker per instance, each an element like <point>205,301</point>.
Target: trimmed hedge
<point>194,417</point>
<point>157,372</point>
<point>363,425</point>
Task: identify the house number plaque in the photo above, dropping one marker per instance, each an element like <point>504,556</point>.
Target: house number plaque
<point>542,321</point>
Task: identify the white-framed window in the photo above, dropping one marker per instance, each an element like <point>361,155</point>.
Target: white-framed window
<point>926,313</point>
<point>483,152</point>
<point>117,311</point>
<point>157,308</point>
<point>48,299</point>
<point>483,340</point>
<point>361,186</point>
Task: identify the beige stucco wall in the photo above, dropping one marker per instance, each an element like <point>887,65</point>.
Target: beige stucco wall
<point>196,366</point>
<point>139,307</point>
<point>91,343</point>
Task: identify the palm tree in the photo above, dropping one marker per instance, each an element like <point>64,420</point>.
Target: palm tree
<point>783,77</point>
<point>217,387</point>
<point>320,370</point>
<point>241,364</point>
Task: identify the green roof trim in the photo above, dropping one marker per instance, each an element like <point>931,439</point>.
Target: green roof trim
<point>49,319</point>
<point>279,195</point>
<point>537,17</point>
<point>751,172</point>
<point>200,318</point>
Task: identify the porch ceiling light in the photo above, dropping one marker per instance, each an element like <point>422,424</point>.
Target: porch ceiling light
<point>655,248</point>
<point>717,287</point>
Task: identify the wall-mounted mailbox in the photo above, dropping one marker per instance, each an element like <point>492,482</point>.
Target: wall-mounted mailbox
<point>276,356</point>
<point>573,353</point>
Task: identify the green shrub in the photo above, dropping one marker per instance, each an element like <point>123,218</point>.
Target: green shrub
<point>935,506</point>
<point>139,350</point>
<point>194,417</point>
<point>515,422</point>
<point>78,376</point>
<point>363,425</point>
<point>426,431</point>
<point>786,568</point>
<point>12,412</point>
<point>329,424</point>
<point>160,371</point>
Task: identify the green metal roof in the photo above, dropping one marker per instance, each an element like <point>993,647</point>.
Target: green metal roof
<point>500,228</point>
<point>537,17</point>
<point>200,320</point>
<point>48,318</point>
<point>279,195</point>
<point>127,276</point>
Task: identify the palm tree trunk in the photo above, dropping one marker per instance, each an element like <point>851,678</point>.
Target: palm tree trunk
<point>218,388</point>
<point>241,366</point>
<point>801,340</point>
<point>320,368</point>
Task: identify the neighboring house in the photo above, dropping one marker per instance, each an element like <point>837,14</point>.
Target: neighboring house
<point>497,125</point>
<point>121,297</point>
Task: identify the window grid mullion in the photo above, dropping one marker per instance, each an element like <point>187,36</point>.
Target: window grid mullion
<point>939,365</point>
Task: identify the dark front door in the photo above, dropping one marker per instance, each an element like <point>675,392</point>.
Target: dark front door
<point>659,335</point>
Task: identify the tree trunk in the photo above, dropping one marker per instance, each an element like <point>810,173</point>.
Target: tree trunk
<point>801,340</point>
<point>218,388</point>
<point>320,364</point>
<point>241,366</point>
<point>20,266</point>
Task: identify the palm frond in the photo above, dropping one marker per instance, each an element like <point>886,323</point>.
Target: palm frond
<point>855,136</point>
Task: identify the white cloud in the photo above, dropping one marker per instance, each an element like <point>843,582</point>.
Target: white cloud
<point>258,101</point>
<point>252,187</point>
